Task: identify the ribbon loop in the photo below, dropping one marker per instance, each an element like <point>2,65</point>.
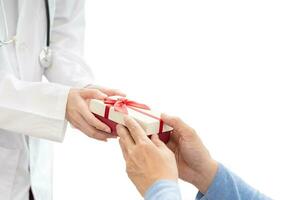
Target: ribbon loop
<point>121,104</point>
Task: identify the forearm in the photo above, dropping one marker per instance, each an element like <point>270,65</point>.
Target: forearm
<point>163,190</point>
<point>228,186</point>
<point>33,108</point>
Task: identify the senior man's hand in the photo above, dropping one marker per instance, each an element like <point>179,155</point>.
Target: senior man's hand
<point>79,115</point>
<point>194,162</point>
<point>146,161</point>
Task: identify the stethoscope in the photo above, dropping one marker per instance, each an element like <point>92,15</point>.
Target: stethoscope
<point>45,56</point>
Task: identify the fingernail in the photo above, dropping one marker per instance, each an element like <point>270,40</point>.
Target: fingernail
<point>126,118</point>
<point>103,97</point>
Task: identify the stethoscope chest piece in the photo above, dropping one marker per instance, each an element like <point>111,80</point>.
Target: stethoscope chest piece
<point>46,53</point>
<point>46,57</point>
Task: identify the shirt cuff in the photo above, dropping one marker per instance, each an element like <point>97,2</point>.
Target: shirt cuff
<point>163,190</point>
<point>227,186</point>
<point>215,190</point>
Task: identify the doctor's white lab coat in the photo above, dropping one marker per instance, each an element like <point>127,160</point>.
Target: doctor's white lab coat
<point>32,113</point>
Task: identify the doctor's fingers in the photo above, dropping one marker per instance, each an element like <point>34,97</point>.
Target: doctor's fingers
<point>91,131</point>
<point>92,120</point>
<point>108,91</point>
<point>92,94</point>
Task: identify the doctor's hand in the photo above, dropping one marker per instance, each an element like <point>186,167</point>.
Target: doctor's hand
<point>194,162</point>
<point>79,115</point>
<point>146,161</point>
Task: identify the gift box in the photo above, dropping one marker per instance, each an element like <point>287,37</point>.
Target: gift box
<point>112,110</point>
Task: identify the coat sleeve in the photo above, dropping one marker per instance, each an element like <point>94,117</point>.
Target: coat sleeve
<point>67,41</point>
<point>32,108</point>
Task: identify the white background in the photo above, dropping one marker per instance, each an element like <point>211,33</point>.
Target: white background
<point>228,68</point>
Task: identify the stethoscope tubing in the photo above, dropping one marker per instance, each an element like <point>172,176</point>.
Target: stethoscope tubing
<point>48,22</point>
<point>45,57</point>
<point>8,41</point>
<point>3,43</point>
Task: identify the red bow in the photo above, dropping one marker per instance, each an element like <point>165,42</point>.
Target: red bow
<point>122,103</point>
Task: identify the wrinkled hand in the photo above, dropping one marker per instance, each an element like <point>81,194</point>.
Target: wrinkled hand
<point>146,161</point>
<point>194,162</point>
<point>79,115</point>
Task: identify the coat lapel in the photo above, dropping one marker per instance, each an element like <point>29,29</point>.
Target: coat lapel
<point>31,33</point>
<point>52,9</point>
<point>24,8</point>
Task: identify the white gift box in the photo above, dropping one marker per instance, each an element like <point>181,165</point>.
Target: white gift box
<point>112,111</point>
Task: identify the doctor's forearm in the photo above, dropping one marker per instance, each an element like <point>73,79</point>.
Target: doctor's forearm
<point>33,108</point>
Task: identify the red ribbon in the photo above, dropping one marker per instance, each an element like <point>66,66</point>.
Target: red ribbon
<point>122,104</point>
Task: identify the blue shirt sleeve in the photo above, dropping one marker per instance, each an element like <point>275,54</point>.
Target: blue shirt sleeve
<point>227,186</point>
<point>163,190</point>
